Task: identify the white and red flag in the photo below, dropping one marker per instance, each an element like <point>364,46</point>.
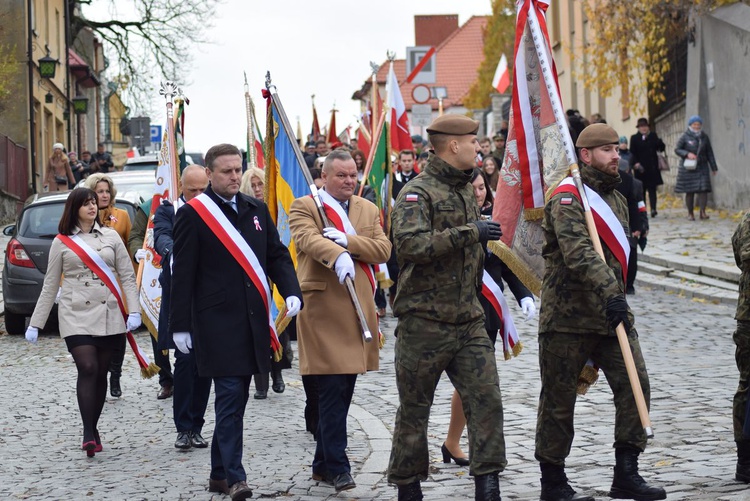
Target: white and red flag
<point>397,117</point>
<point>501,80</point>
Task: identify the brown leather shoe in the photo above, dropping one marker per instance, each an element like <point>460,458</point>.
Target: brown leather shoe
<point>218,486</point>
<point>240,490</point>
<point>165,392</point>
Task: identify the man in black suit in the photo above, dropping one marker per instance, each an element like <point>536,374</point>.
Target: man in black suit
<point>220,301</point>
<point>191,392</point>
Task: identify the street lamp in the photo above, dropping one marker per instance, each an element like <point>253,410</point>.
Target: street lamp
<point>47,67</point>
<point>80,105</point>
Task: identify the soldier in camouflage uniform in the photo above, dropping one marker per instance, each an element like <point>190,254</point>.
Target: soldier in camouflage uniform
<point>583,300</point>
<point>741,246</point>
<point>439,237</point>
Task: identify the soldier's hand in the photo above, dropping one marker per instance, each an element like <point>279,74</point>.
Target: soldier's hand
<point>488,230</point>
<point>617,311</point>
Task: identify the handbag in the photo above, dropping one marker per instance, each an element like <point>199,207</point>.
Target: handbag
<point>663,162</point>
<point>61,179</point>
<point>690,163</point>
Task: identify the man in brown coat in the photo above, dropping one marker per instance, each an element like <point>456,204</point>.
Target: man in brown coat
<point>331,345</point>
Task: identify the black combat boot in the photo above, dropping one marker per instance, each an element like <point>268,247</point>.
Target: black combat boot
<point>278,385</point>
<point>628,484</point>
<point>261,386</point>
<point>487,487</point>
<point>743,462</point>
<point>555,485</point>
<point>410,492</point>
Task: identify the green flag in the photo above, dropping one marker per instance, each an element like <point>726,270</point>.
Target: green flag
<point>380,176</point>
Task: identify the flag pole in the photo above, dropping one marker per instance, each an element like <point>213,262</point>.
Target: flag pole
<point>554,96</point>
<point>374,95</point>
<point>348,282</point>
<point>252,158</point>
<point>370,157</point>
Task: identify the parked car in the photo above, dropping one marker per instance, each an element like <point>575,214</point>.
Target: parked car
<point>146,162</point>
<point>134,186</point>
<point>28,251</point>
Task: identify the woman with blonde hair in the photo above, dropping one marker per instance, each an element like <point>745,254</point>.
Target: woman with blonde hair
<point>59,173</point>
<point>119,220</point>
<point>252,182</point>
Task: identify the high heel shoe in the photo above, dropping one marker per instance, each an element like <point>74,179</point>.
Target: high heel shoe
<point>447,456</point>
<point>89,447</point>
<point>98,440</point>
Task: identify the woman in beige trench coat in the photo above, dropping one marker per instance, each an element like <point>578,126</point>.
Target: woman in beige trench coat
<point>91,322</point>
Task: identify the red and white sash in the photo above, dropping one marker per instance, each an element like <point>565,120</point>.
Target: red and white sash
<point>340,220</point>
<point>240,250</point>
<point>494,294</point>
<point>97,265</point>
<point>607,224</point>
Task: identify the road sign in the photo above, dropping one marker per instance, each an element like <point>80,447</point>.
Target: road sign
<point>421,94</point>
<point>156,134</point>
<point>421,64</point>
<point>421,115</point>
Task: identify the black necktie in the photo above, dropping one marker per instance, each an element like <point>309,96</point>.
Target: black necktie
<point>344,206</point>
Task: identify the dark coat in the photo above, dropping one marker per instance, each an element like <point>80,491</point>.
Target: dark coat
<point>213,298</point>
<point>643,151</point>
<point>163,243</point>
<point>628,189</point>
<point>697,180</point>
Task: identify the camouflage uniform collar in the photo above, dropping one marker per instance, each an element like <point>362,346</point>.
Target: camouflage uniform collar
<point>438,167</point>
<point>599,181</point>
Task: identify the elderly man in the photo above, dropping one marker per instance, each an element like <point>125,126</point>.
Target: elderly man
<point>331,346</point>
<point>190,391</point>
<point>439,238</point>
<point>225,245</point>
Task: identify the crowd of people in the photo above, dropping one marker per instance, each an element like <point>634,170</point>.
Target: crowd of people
<point>447,295</point>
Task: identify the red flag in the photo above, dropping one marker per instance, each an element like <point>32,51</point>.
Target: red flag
<point>397,118</point>
<point>259,154</point>
<point>363,139</point>
<point>332,136</point>
<point>315,125</point>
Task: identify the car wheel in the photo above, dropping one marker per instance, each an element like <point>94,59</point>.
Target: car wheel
<point>15,323</point>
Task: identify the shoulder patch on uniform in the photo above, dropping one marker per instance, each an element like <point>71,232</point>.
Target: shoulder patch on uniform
<point>411,197</point>
<point>566,200</point>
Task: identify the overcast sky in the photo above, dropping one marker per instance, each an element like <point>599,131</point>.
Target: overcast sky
<point>310,47</point>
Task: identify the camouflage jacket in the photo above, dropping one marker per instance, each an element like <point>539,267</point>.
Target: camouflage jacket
<point>437,249</point>
<point>577,283</point>
<point>741,246</point>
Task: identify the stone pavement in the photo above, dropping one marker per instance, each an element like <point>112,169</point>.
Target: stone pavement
<point>687,345</point>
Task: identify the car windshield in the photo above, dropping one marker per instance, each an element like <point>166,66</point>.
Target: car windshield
<point>148,166</point>
<point>135,191</point>
<point>41,221</point>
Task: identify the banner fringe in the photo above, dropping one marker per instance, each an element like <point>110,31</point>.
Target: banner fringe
<point>518,267</point>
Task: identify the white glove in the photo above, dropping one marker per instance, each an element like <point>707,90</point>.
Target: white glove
<point>57,298</point>
<point>337,236</point>
<point>344,266</point>
<point>293,305</point>
<point>528,307</point>
<point>134,321</point>
<point>183,341</point>
<point>32,333</point>
<point>140,254</point>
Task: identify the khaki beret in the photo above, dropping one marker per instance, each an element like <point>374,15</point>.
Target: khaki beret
<point>597,135</point>
<point>453,125</point>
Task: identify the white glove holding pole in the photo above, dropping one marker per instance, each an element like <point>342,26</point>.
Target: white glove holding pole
<point>528,307</point>
<point>293,305</point>
<point>337,236</point>
<point>32,334</point>
<point>133,322</point>
<point>183,341</point>
<point>344,266</point>
<point>140,254</point>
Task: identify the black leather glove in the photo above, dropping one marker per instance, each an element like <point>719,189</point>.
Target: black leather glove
<point>617,311</point>
<point>488,230</point>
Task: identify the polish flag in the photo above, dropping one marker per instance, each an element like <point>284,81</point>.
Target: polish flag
<point>501,80</point>
<point>399,120</point>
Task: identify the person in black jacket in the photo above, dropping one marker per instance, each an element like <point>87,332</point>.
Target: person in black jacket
<point>643,161</point>
<point>220,303</point>
<point>190,391</point>
<point>632,189</point>
<point>496,268</point>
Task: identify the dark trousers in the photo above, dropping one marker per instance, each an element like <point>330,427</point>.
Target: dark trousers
<point>380,298</point>
<point>118,356</point>
<point>162,360</point>
<point>191,392</point>
<point>652,197</point>
<point>336,392</point>
<point>632,265</point>
<point>226,447</point>
<point>312,414</point>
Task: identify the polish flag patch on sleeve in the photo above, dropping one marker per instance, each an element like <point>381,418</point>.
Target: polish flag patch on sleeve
<point>641,206</point>
<point>566,200</point>
<point>412,197</point>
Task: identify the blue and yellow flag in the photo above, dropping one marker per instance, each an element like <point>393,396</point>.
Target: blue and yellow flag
<point>284,181</point>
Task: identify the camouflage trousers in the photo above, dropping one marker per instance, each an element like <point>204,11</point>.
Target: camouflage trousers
<point>742,356</point>
<point>561,358</point>
<point>424,349</point>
